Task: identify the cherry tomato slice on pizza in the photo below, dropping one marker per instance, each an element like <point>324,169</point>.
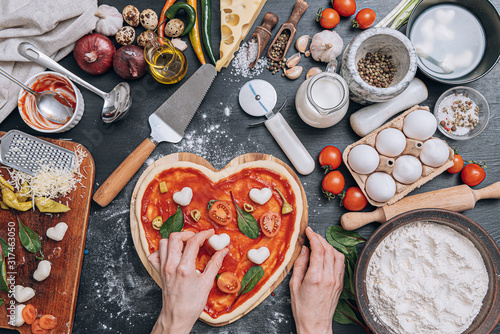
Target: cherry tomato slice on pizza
<point>48,321</point>
<point>270,223</point>
<point>228,283</point>
<point>36,329</point>
<point>220,212</point>
<point>29,314</point>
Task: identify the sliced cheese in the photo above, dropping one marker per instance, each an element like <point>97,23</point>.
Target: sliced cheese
<point>237,18</point>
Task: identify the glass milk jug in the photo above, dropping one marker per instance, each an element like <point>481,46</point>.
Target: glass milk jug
<point>322,100</point>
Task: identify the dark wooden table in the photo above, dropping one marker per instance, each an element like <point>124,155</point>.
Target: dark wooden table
<point>116,293</point>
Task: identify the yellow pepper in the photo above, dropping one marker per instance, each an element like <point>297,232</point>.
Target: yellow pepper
<point>5,183</point>
<point>47,205</point>
<point>3,206</point>
<point>194,35</point>
<point>23,193</point>
<point>10,199</point>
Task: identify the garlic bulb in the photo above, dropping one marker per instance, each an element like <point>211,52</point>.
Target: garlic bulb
<point>110,20</point>
<point>326,46</point>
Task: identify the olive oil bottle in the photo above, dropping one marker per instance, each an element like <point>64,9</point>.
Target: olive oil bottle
<point>167,64</point>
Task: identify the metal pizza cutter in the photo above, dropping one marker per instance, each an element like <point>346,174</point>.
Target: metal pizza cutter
<point>258,98</point>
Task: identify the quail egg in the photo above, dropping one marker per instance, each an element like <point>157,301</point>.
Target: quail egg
<point>420,124</point>
<point>363,159</point>
<point>434,153</point>
<point>380,187</point>
<point>407,169</point>
<point>390,142</point>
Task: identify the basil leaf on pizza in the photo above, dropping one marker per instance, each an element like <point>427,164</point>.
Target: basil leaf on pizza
<point>29,239</point>
<point>251,278</point>
<point>246,221</point>
<point>174,223</point>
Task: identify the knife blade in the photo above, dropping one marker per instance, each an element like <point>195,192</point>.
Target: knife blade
<point>168,123</point>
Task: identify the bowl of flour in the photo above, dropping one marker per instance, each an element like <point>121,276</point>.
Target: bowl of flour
<point>429,271</point>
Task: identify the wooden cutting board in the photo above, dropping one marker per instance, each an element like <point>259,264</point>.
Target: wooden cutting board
<point>58,293</point>
<point>134,223</point>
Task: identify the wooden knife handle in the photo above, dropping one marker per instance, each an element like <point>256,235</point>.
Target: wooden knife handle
<point>354,220</point>
<point>298,10</point>
<point>123,173</point>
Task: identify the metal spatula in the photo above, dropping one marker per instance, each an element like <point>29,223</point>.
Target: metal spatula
<point>28,154</point>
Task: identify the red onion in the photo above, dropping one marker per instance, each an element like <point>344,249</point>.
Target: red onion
<point>94,53</point>
<point>129,62</point>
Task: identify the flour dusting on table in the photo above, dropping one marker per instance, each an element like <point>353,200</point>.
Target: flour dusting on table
<point>426,278</point>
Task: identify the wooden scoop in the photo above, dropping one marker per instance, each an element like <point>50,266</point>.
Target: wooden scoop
<point>262,34</point>
<point>458,199</point>
<point>289,26</point>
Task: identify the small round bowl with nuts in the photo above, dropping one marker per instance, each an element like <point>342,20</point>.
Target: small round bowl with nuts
<point>462,113</point>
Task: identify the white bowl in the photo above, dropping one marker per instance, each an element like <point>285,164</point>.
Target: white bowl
<point>35,120</point>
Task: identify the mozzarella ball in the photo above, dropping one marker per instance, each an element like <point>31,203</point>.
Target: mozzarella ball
<point>407,169</point>
<point>434,153</point>
<point>363,159</point>
<point>420,124</point>
<point>390,142</point>
<point>380,187</point>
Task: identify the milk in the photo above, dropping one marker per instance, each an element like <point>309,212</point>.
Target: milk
<point>327,92</point>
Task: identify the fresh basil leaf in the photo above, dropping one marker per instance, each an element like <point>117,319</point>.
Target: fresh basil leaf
<point>2,301</point>
<point>28,238</point>
<point>5,248</point>
<point>251,278</point>
<point>174,223</point>
<point>349,278</point>
<point>344,314</point>
<point>341,248</point>
<point>346,238</point>
<point>211,203</point>
<point>4,286</point>
<point>246,222</point>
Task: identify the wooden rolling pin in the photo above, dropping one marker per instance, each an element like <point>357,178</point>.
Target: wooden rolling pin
<point>458,199</point>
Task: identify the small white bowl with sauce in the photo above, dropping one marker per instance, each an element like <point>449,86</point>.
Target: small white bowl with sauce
<point>55,82</point>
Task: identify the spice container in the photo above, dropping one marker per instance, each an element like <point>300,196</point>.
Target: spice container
<point>322,100</point>
<point>462,113</point>
<point>167,64</point>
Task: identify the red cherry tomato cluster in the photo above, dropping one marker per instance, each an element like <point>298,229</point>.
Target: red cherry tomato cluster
<point>329,18</point>
<point>472,174</point>
<point>330,158</point>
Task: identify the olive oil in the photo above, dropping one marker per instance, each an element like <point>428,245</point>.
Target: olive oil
<point>167,64</point>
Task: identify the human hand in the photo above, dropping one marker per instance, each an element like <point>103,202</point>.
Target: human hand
<point>316,290</point>
<point>184,291</point>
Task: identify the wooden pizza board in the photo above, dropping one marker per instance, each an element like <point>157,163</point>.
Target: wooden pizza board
<point>249,157</point>
<point>57,294</point>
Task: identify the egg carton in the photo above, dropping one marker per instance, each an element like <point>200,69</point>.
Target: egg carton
<point>413,147</point>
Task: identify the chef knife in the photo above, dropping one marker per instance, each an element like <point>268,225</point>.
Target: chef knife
<point>168,123</point>
<point>458,199</point>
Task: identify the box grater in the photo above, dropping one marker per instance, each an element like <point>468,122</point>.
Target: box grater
<point>28,153</point>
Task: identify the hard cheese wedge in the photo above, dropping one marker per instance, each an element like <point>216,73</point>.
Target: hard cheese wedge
<point>237,18</point>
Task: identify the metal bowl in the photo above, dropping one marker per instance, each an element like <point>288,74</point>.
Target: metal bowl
<point>486,12</point>
<point>488,317</point>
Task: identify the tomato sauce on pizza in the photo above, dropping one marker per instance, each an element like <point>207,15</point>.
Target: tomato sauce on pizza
<point>154,203</point>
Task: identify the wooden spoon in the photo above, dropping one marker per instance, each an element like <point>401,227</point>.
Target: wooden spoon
<point>458,199</point>
<point>289,28</point>
<point>262,34</point>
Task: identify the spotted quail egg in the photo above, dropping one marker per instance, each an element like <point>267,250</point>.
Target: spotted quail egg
<point>363,159</point>
<point>434,152</point>
<point>131,15</point>
<point>125,35</point>
<point>380,187</point>
<point>407,169</point>
<point>420,124</point>
<point>390,142</point>
<point>149,19</point>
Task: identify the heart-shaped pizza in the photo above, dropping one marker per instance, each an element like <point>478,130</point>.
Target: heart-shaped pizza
<point>257,207</point>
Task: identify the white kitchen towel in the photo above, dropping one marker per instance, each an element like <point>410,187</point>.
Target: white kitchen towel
<point>53,26</point>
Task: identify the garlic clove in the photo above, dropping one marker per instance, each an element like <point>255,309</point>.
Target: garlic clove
<point>294,72</point>
<point>293,60</point>
<point>179,44</point>
<point>301,43</point>
<point>307,53</point>
<point>313,71</point>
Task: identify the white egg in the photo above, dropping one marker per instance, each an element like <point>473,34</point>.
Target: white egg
<point>380,187</point>
<point>363,159</point>
<point>420,124</point>
<point>390,142</point>
<point>434,153</point>
<point>407,169</point>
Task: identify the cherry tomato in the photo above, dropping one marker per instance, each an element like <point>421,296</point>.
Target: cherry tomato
<point>330,158</point>
<point>29,314</point>
<point>344,7</point>
<point>48,321</point>
<point>333,184</point>
<point>458,164</point>
<point>473,174</point>
<point>354,199</point>
<point>328,18</point>
<point>270,223</point>
<point>220,212</point>
<point>228,282</point>
<point>364,19</point>
<point>36,329</point>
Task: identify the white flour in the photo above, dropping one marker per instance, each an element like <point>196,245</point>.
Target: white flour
<point>426,278</point>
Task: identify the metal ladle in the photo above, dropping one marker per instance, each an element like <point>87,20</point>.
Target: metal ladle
<point>116,103</point>
<point>52,105</point>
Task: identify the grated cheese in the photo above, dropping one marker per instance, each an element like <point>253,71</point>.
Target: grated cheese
<point>51,181</point>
